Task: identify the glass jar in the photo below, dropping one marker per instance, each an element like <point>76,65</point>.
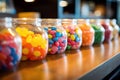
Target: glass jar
<point>34,38</point>
<point>115,26</point>
<point>87,32</point>
<point>108,29</point>
<point>10,45</point>
<point>74,34</point>
<point>99,31</point>
<point>56,34</point>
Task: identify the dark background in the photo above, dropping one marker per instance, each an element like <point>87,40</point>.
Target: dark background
<point>49,8</point>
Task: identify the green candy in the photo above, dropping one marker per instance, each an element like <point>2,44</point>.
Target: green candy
<point>68,47</point>
<point>99,34</point>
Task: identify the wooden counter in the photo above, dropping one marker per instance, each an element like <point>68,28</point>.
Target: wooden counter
<point>87,63</point>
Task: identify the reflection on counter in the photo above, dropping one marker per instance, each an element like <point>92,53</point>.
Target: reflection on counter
<point>72,64</point>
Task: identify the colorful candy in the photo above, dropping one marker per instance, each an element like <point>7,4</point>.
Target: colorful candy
<point>74,34</point>
<point>74,37</point>
<point>10,50</point>
<point>34,45</point>
<point>57,40</point>
<point>99,34</point>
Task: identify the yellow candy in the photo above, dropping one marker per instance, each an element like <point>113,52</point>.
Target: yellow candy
<point>22,31</point>
<point>30,32</point>
<point>37,53</point>
<point>68,34</point>
<point>34,43</point>
<point>25,51</point>
<point>49,36</point>
<point>67,30</point>
<point>29,39</point>
<point>58,30</point>
<point>77,30</point>
<point>72,37</point>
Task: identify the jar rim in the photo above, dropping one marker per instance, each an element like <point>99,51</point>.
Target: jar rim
<point>25,19</point>
<point>7,19</point>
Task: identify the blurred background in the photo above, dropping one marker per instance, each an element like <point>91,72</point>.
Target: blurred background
<point>61,8</point>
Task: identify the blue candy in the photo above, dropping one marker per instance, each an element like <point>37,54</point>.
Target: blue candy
<point>53,28</point>
<point>55,39</point>
<point>14,55</point>
<point>77,39</point>
<point>75,35</point>
<point>58,34</point>
<point>51,41</point>
<point>0,48</point>
<point>46,29</point>
<point>59,48</point>
<point>64,41</point>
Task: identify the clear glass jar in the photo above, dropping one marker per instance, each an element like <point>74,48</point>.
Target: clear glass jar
<point>116,29</point>
<point>99,31</point>
<point>87,32</point>
<point>10,45</point>
<point>34,38</point>
<point>56,34</point>
<point>108,29</point>
<point>74,34</point>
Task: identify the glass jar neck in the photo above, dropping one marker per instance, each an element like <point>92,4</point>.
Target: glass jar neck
<point>114,21</point>
<point>51,22</point>
<point>93,21</point>
<point>81,21</point>
<point>29,21</point>
<point>69,21</point>
<point>6,22</point>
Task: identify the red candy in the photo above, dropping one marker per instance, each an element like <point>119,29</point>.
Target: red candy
<point>10,52</point>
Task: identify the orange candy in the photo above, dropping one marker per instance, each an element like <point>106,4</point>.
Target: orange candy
<point>87,34</point>
<point>34,45</point>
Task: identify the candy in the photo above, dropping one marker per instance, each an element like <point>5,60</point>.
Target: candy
<point>74,34</point>
<point>108,32</point>
<point>34,44</point>
<point>99,34</point>
<point>87,34</point>
<point>10,53</point>
<point>57,40</point>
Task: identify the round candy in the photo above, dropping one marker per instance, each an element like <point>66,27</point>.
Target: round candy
<point>57,40</point>
<point>74,35</point>
<point>10,52</point>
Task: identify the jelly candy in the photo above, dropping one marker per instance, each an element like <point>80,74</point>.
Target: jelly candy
<point>99,34</point>
<point>34,45</point>
<point>9,51</point>
<point>87,34</point>
<point>57,40</point>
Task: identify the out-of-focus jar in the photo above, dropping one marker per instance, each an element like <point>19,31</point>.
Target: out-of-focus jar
<point>108,29</point>
<point>99,31</point>
<point>10,45</point>
<point>34,38</point>
<point>74,34</point>
<point>56,34</point>
<point>116,29</point>
<point>87,32</point>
